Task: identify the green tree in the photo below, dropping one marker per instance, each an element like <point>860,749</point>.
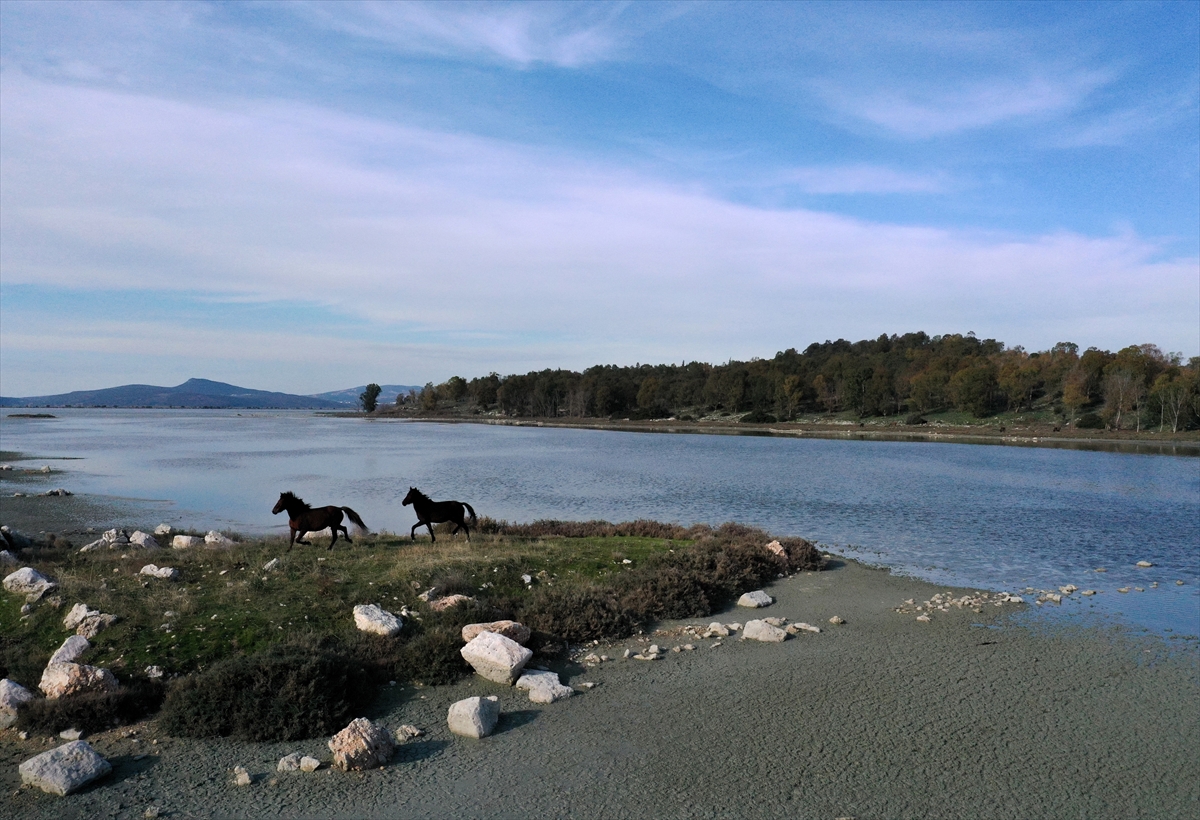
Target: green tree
<point>369,398</point>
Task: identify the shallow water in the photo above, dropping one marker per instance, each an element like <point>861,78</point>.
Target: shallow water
<point>988,517</point>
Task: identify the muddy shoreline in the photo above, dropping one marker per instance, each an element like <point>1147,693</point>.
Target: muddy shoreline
<point>979,715</point>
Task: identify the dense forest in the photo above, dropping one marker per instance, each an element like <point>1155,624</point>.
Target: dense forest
<point>1138,387</point>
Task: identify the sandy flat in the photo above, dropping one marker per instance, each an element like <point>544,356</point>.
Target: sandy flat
<point>970,715</point>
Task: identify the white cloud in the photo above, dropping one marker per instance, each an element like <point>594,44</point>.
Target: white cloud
<point>865,179</point>
<point>506,254</point>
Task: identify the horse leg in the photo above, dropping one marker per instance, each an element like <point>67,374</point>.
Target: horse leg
<point>346,535</point>
<point>413,533</point>
<point>292,539</point>
<point>334,539</point>
<point>429,526</point>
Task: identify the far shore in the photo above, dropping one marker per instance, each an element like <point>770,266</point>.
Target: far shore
<point>1031,435</point>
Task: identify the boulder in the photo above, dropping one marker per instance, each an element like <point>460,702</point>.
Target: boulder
<point>289,763</point>
<point>496,657</point>
<point>716,630</point>
<point>186,542</point>
<point>65,769</point>
<point>98,544</point>
<point>370,618</point>
<point>116,537</point>
<point>28,581</point>
<point>241,777</point>
<point>166,573</point>
<point>14,539</point>
<point>763,631</point>
<point>214,540</point>
<point>77,615</point>
<point>72,649</point>
<point>474,717</point>
<point>362,745</point>
<point>544,687</point>
<point>12,696</point>
<point>509,629</point>
<point>60,679</point>
<point>755,599</point>
<point>309,764</point>
<point>162,529</point>
<point>93,625</point>
<point>442,604</point>
<point>144,540</point>
<point>8,559</point>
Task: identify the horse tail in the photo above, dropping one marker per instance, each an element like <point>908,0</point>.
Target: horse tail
<point>358,522</point>
<point>474,518</point>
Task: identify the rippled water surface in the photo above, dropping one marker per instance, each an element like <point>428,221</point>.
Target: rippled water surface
<point>989,517</point>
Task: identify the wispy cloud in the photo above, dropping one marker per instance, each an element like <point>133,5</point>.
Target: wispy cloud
<point>865,179</point>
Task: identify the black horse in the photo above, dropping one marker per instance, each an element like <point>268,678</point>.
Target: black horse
<point>430,512</point>
<point>303,519</point>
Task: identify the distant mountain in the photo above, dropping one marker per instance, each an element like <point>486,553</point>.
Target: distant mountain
<point>350,395</point>
<point>192,393</point>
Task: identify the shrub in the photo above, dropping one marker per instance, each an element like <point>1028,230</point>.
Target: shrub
<point>802,555</point>
<point>1090,421</point>
<point>454,581</point>
<point>287,692</point>
<point>95,712</point>
<point>580,613</point>
<point>433,657</point>
<point>758,417</point>
<point>667,592</point>
<point>916,418</point>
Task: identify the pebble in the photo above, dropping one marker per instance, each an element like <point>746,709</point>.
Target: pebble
<point>1088,592</point>
<point>70,734</point>
<point>1179,583</point>
<point>241,777</point>
<point>837,620</point>
<point>1144,564</point>
<point>1122,589</point>
<point>924,618</point>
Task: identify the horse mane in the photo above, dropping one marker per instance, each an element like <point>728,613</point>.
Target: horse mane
<point>292,496</point>
<point>420,494</point>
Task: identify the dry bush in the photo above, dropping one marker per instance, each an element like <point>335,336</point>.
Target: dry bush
<point>578,613</point>
<point>802,555</point>
<point>434,657</point>
<point>550,528</point>
<point>287,692</point>
<point>95,712</point>
<point>664,593</point>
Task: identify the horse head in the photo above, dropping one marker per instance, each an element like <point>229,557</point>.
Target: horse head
<point>413,495</point>
<point>284,499</point>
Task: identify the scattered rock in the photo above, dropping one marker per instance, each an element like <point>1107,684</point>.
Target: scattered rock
<point>59,679</point>
<point>144,540</point>
<point>442,604</point>
<point>544,687</point>
<point>270,565</point>
<point>775,548</point>
<point>309,764</point>
<point>289,763</point>
<point>780,622</point>
<point>924,618</point>
<point>12,696</point>
<point>28,581</point>
<point>1088,592</point>
<point>509,629</point>
<point>214,540</point>
<point>154,672</point>
<point>8,559</point>
<point>72,649</point>
<point>370,618</point>
<point>78,614</point>
<point>93,625</point>
<point>496,657</point>
<point>757,598</point>
<point>241,777</point>
<point>186,542</point>
<point>796,629</point>
<point>152,813</point>
<point>70,734</point>
<point>407,732</point>
<point>166,573</point>
<point>587,684</point>
<point>763,631</point>
<point>58,491</point>
<point>1144,564</point>
<point>65,769</point>
<point>162,529</point>
<point>474,717</point>
<point>362,745</point>
<point>837,620</point>
<point>716,630</point>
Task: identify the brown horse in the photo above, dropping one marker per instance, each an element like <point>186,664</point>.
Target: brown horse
<point>303,519</point>
<point>430,512</point>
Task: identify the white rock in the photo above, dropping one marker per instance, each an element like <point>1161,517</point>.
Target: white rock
<point>270,565</point>
<point>544,687</point>
<point>289,763</point>
<point>509,629</point>
<point>362,745</point>
<point>924,618</point>
<point>795,629</point>
<point>780,622</point>
<point>28,581</point>
<point>241,777</point>
<point>1144,564</point>
<point>309,764</point>
<point>116,537</point>
<point>12,696</point>
<point>98,544</point>
<point>755,599</point>
<point>8,559</point>
<point>775,548</point>
<point>215,540</point>
<point>72,649</point>
<point>70,734</point>
<point>837,620</point>
<point>474,717</point>
<point>154,671</point>
<point>77,615</point>
<point>65,769</point>
<point>716,630</point>
<point>92,625</point>
<point>144,540</point>
<point>162,529</point>
<point>763,631</point>
<point>370,618</point>
<point>61,679</point>
<point>496,657</point>
<point>166,573</point>
<point>185,542</point>
<point>407,732</point>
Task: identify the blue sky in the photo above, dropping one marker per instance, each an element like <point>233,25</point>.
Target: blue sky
<point>307,196</point>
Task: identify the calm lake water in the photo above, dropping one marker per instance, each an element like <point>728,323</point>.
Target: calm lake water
<point>991,517</point>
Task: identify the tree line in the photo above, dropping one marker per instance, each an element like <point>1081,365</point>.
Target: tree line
<point>1137,387</point>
